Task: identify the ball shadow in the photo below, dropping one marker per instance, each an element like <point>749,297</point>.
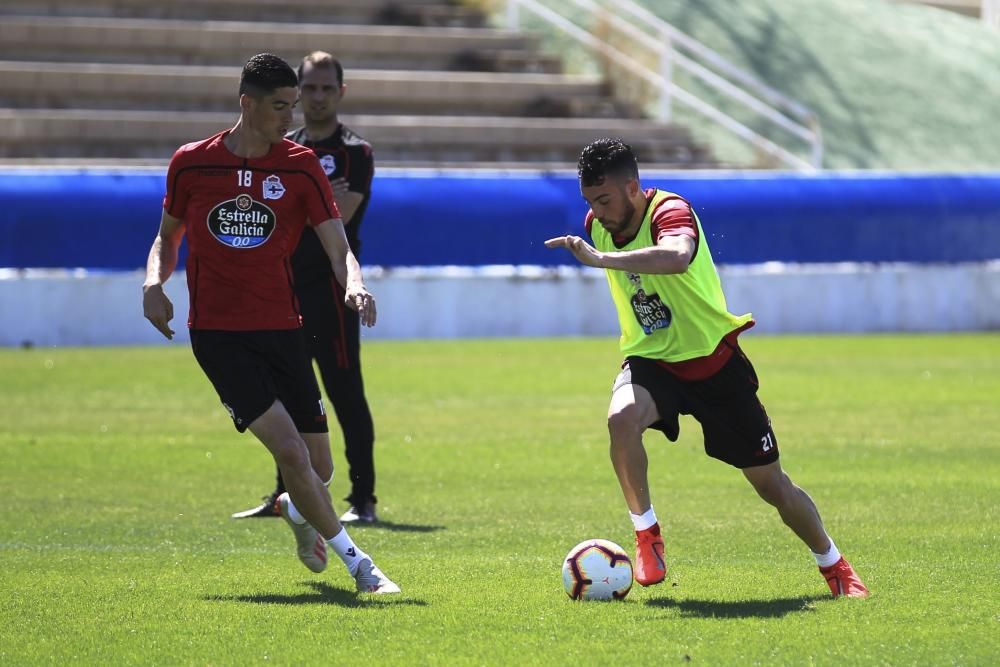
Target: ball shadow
<point>773,608</point>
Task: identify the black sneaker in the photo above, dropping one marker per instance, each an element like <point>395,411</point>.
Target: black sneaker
<point>265,509</point>
<point>360,513</point>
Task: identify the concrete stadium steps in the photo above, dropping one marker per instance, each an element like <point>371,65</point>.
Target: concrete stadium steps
<point>62,133</point>
<point>158,41</point>
<point>131,80</point>
<point>210,88</point>
<point>370,12</point>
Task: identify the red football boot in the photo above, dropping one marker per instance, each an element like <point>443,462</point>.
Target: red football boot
<point>843,581</point>
<point>650,568</point>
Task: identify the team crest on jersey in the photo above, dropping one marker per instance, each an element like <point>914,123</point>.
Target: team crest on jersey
<point>273,187</point>
<point>329,164</point>
<point>241,222</point>
<point>649,309</point>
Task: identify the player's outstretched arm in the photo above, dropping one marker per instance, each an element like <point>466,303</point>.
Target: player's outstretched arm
<point>160,265</point>
<point>583,251</point>
<point>346,268</point>
<point>672,254</point>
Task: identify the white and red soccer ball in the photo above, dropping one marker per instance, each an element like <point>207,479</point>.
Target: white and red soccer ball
<point>597,570</point>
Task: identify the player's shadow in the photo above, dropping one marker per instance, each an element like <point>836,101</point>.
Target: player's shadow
<point>397,527</point>
<point>322,593</point>
<point>773,608</point>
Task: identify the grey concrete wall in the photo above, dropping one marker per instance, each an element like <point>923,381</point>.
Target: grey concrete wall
<point>80,308</point>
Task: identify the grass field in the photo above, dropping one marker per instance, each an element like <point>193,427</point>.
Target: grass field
<point>121,470</point>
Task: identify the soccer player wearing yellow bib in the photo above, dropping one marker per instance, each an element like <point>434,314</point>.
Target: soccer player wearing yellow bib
<point>681,355</point>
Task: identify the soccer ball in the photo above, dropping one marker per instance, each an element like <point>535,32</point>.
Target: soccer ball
<point>597,570</point>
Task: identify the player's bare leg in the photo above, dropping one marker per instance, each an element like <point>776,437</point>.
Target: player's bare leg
<point>318,445</point>
<point>631,411</point>
<point>277,431</point>
<point>799,513</point>
<point>794,505</point>
<point>311,517</point>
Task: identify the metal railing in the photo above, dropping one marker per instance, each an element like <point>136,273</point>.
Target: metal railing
<point>990,13</point>
<point>674,51</point>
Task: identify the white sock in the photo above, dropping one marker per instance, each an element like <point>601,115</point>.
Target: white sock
<point>644,520</point>
<point>829,558</point>
<point>348,551</point>
<point>293,513</point>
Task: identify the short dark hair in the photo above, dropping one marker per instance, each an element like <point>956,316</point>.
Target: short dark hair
<point>265,73</point>
<point>608,157</point>
<point>323,60</point>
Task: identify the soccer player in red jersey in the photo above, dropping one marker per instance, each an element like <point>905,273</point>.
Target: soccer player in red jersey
<point>681,356</point>
<point>243,197</point>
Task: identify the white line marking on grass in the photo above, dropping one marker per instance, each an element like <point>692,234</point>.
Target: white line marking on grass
<point>129,548</point>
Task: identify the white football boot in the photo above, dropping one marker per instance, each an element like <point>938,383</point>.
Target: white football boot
<point>311,545</point>
<point>370,579</point>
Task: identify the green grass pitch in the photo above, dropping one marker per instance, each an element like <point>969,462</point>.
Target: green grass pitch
<point>120,470</point>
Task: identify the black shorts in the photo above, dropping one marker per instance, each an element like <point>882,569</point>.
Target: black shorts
<point>252,369</point>
<point>733,421</point>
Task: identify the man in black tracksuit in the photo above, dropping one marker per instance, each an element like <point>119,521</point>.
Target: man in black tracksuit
<point>331,329</point>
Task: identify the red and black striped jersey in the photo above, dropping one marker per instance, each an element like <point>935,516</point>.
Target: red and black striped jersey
<point>344,154</point>
<point>243,220</point>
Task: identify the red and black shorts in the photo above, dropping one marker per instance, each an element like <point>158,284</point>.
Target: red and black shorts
<point>252,369</point>
<point>734,423</point>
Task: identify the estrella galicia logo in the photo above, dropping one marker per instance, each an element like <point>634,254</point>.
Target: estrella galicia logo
<point>649,309</point>
<point>241,222</point>
<point>651,312</point>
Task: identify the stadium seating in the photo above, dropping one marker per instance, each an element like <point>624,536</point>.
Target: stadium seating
<point>408,12</point>
<point>428,82</point>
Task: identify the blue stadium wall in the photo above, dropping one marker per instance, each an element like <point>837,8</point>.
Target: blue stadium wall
<point>106,220</point>
<point>462,253</point>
